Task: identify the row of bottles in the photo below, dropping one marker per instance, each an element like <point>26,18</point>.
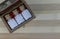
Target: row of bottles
<point>18,16</point>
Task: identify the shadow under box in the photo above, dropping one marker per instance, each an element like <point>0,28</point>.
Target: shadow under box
<point>18,17</point>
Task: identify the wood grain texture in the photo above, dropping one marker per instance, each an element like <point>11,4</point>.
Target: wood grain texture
<point>41,7</point>
<point>37,25</point>
<point>45,22</point>
<point>30,36</point>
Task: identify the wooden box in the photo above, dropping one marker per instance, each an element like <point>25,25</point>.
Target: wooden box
<point>15,13</point>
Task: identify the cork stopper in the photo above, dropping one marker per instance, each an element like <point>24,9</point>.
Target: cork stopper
<point>7,17</point>
<point>15,12</point>
<point>22,7</point>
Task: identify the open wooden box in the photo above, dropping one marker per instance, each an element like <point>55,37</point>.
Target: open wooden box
<point>15,13</point>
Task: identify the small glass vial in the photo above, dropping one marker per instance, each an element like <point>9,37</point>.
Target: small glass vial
<point>11,22</point>
<point>18,17</point>
<point>26,14</point>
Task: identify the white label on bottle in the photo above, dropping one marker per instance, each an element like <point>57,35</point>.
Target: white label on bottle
<point>19,19</point>
<point>12,23</point>
<point>26,14</point>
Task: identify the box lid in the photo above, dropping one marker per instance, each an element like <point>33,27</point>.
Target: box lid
<point>1,1</point>
<point>4,6</point>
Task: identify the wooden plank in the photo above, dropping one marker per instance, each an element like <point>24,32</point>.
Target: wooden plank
<point>31,36</point>
<point>36,26</point>
<point>43,1</point>
<point>41,7</point>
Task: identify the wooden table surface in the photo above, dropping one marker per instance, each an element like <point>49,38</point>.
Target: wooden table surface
<point>30,36</point>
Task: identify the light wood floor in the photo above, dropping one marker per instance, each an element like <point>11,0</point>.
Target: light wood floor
<point>46,25</point>
<point>30,36</point>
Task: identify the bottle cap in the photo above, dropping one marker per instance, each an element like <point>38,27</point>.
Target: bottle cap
<point>11,14</point>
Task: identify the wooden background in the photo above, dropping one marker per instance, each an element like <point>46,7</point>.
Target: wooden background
<point>46,25</point>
